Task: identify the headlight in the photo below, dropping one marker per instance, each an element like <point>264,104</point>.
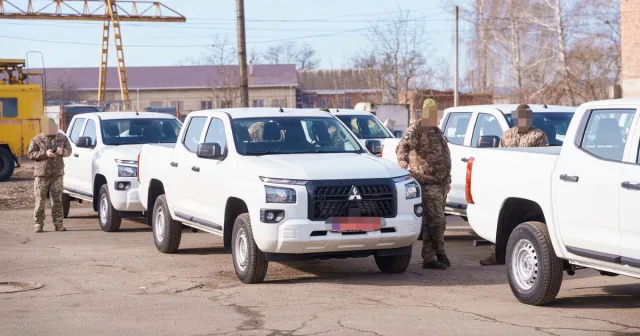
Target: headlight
<point>412,190</point>
<point>280,195</point>
<point>401,178</point>
<point>127,171</point>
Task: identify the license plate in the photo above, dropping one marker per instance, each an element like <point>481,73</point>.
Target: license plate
<point>346,224</point>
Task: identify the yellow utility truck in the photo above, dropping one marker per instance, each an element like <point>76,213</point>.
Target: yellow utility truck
<point>21,109</point>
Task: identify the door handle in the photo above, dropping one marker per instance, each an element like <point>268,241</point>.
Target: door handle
<point>565,177</point>
<point>629,185</point>
<point>174,164</point>
<point>195,169</point>
<point>465,159</point>
<point>76,154</point>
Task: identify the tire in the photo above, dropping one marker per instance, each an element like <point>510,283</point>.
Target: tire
<point>393,264</point>
<point>533,269</point>
<point>7,164</point>
<point>248,261</point>
<point>166,231</point>
<point>66,204</point>
<point>108,217</point>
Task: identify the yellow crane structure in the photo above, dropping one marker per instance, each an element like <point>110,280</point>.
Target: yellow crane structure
<point>113,12</point>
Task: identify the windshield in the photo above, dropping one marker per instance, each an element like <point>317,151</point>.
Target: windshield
<point>139,131</point>
<point>553,124</point>
<point>365,126</point>
<point>292,135</point>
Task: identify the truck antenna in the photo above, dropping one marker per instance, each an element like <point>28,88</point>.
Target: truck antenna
<point>280,107</point>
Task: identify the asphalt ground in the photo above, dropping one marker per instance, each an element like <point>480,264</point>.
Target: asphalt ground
<point>97,283</point>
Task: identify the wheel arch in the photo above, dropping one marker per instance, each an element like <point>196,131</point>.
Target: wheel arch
<point>234,207</point>
<point>514,211</point>
<point>156,188</point>
<point>98,181</point>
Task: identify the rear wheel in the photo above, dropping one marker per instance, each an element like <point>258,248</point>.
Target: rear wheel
<point>249,262</point>
<point>533,269</point>
<point>108,216</point>
<point>393,264</point>
<point>166,231</point>
<point>7,164</point>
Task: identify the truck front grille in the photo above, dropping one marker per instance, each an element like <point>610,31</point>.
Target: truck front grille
<point>373,198</point>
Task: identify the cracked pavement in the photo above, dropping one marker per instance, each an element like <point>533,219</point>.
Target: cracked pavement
<point>118,284</point>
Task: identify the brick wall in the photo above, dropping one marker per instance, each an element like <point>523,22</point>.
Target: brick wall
<point>630,40</point>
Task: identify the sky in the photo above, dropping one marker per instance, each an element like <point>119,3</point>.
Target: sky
<point>336,29</point>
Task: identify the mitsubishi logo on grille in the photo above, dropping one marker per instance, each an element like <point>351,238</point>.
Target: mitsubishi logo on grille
<point>354,195</point>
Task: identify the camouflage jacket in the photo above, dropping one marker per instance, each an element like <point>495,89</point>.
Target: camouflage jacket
<point>46,166</point>
<point>425,154</point>
<point>533,137</point>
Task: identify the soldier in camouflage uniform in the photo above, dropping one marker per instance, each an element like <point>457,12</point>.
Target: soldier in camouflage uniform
<point>523,134</point>
<point>47,149</point>
<point>425,153</point>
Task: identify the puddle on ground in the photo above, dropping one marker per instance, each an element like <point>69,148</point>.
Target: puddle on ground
<point>16,286</point>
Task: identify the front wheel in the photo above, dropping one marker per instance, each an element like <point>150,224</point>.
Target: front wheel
<point>533,269</point>
<point>109,217</point>
<point>393,264</point>
<point>249,262</point>
<point>166,231</point>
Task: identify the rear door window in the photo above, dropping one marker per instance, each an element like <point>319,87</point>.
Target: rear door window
<point>605,135</point>
<point>456,128</point>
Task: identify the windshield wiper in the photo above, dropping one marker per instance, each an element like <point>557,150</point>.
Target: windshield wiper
<point>262,153</point>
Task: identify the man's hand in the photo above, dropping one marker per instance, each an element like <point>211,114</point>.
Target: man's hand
<point>59,151</point>
<point>448,187</point>
<point>51,154</point>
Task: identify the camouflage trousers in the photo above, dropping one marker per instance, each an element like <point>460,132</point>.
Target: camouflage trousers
<point>434,222</point>
<point>52,186</point>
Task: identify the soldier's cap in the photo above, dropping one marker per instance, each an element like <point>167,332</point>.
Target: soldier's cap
<point>46,123</point>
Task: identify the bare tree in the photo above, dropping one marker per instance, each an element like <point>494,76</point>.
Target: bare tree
<point>398,49</point>
<point>224,83</point>
<point>303,55</point>
<point>64,90</point>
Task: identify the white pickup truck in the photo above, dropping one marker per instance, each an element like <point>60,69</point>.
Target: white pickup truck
<point>468,128</point>
<point>103,167</point>
<point>294,192</point>
<point>553,209</point>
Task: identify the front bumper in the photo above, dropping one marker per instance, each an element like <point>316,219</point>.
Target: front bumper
<point>127,199</point>
<point>297,236</point>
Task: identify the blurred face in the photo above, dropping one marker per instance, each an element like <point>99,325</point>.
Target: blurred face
<point>523,119</point>
<point>429,119</point>
<point>51,128</point>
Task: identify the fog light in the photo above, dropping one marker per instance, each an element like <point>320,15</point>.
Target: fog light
<point>122,185</point>
<point>418,209</point>
<point>271,216</point>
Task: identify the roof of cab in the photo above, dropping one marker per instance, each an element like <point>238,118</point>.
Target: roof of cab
<point>508,108</point>
<point>262,112</point>
<point>617,102</point>
<point>338,111</point>
<point>127,115</point>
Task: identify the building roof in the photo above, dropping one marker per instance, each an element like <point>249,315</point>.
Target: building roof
<point>174,77</point>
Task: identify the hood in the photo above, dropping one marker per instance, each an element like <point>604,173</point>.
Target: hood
<point>128,152</point>
<point>321,166</point>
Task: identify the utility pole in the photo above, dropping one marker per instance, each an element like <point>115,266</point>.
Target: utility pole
<point>242,56</point>
<point>455,72</point>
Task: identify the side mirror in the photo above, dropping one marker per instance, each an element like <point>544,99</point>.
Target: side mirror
<point>84,142</point>
<point>488,141</point>
<point>374,146</point>
<point>210,151</point>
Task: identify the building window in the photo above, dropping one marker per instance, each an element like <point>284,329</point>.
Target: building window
<point>278,103</point>
<point>309,101</point>
<point>225,104</point>
<point>157,104</point>
<point>206,104</point>
<point>257,103</point>
<point>324,102</point>
<point>347,103</point>
<point>178,103</point>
